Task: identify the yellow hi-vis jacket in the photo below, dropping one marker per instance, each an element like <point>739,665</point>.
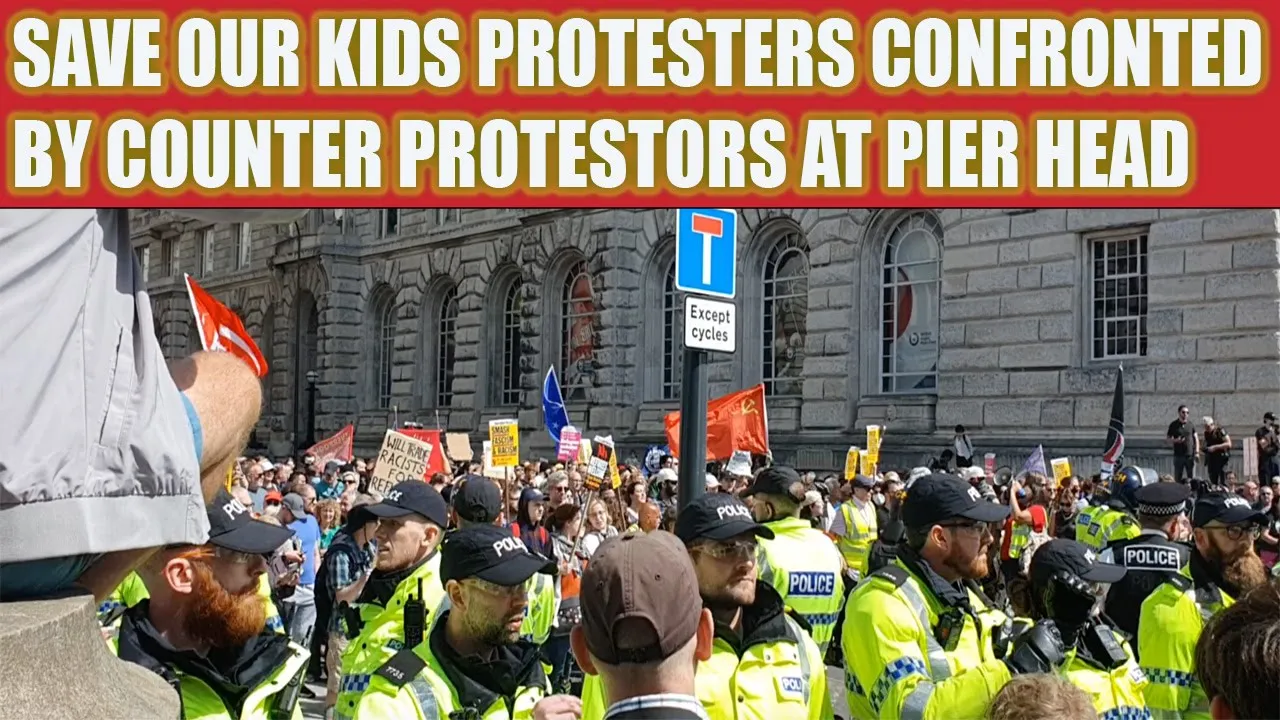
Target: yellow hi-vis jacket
<point>133,591</point>
<point>774,672</point>
<point>895,667</point>
<point>805,567</point>
<point>1117,694</point>
<point>414,684</point>
<point>1121,526</point>
<point>275,697</point>
<point>382,634</point>
<point>1089,526</point>
<point>1173,616</point>
<point>860,533</point>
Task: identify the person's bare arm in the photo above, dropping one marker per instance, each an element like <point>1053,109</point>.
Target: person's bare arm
<point>1020,516</point>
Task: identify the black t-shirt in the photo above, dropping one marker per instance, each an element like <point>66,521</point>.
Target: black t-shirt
<point>1268,432</point>
<point>1186,431</point>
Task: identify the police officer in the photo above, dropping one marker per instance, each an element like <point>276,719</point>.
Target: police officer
<point>763,663</point>
<point>412,518</point>
<point>473,662</point>
<point>801,562</point>
<point>1117,522</point>
<point>856,527</point>
<point>1223,566</point>
<point>478,501</point>
<point>1088,525</point>
<point>1067,581</point>
<point>920,639</point>
<point>1152,556</point>
<point>203,627</point>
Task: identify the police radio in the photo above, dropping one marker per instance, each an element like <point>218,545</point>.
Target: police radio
<point>1101,645</point>
<point>415,619</point>
<point>950,628</point>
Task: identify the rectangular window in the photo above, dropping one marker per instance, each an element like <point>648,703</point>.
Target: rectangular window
<point>206,253</point>
<point>1118,296</point>
<point>244,245</point>
<point>169,257</point>
<point>389,223</point>
<point>144,261</point>
<point>448,216</point>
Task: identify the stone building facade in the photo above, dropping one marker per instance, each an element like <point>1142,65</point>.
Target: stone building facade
<point>1010,322</point>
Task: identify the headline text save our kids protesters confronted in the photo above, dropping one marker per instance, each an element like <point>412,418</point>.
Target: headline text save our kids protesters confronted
<point>426,58</point>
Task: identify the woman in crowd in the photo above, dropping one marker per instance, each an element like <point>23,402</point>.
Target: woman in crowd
<point>598,529</point>
<point>565,524</point>
<point>329,516</point>
<point>635,495</point>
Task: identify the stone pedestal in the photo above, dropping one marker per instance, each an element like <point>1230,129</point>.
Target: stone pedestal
<point>56,665</point>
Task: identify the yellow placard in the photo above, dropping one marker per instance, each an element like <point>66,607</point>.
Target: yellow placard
<point>851,462</point>
<point>504,442</point>
<point>615,479</point>
<point>1061,469</point>
<point>865,466</point>
<point>873,443</point>
<point>584,451</point>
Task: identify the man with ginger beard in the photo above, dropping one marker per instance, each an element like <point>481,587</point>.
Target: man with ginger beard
<point>472,663</point>
<point>758,646</point>
<point>203,629</point>
<point>1223,566</point>
<point>920,639</point>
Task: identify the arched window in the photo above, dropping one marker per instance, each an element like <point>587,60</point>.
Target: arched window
<point>446,346</point>
<point>306,327</point>
<point>672,342</point>
<point>577,330</point>
<point>508,375</point>
<point>786,312</point>
<point>384,337</point>
<point>910,291</point>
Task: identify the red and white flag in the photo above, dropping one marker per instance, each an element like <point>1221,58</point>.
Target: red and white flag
<point>337,446</point>
<point>221,330</point>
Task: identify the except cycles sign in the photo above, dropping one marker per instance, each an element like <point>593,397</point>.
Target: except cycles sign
<point>710,325</point>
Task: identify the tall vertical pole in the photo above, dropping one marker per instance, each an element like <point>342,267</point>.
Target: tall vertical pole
<point>693,427</point>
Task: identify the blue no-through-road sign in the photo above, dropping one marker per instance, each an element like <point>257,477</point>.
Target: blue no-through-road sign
<point>707,251</point>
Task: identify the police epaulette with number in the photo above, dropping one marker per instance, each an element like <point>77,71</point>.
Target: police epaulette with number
<point>401,668</point>
<point>893,574</point>
<point>1180,581</point>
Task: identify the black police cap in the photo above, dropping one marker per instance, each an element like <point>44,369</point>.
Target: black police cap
<point>477,500</point>
<point>1162,499</point>
<point>1061,555</point>
<point>717,517</point>
<point>938,497</point>
<point>490,553</point>
<point>1224,508</point>
<point>413,496</point>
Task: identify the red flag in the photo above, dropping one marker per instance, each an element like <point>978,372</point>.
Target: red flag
<point>734,422</point>
<point>436,462</point>
<point>221,330</point>
<point>337,446</point>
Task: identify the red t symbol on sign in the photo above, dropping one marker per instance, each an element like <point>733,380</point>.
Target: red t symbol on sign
<point>708,227</point>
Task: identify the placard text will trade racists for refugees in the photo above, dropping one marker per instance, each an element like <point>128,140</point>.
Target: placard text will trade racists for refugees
<point>523,104</point>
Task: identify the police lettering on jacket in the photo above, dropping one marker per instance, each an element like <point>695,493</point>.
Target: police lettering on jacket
<point>811,584</point>
<point>1151,557</point>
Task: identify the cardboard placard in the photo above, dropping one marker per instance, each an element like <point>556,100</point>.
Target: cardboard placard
<point>401,458</point>
<point>458,447</point>
<point>570,440</point>
<point>504,443</point>
<point>584,451</point>
<point>598,464</point>
<point>488,470</point>
<point>851,459</point>
<point>1061,469</point>
<point>989,464</point>
<point>873,443</point>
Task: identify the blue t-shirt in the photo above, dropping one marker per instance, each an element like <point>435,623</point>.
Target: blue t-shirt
<point>307,531</point>
<point>325,491</point>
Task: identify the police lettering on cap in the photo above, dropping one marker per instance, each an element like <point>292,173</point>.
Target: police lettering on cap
<point>717,517</point>
<point>1224,509</point>
<point>939,497</point>
<point>492,554</point>
<point>232,526</point>
<point>413,497</point>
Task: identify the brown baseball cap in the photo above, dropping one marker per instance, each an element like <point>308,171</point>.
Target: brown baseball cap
<point>639,599</point>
